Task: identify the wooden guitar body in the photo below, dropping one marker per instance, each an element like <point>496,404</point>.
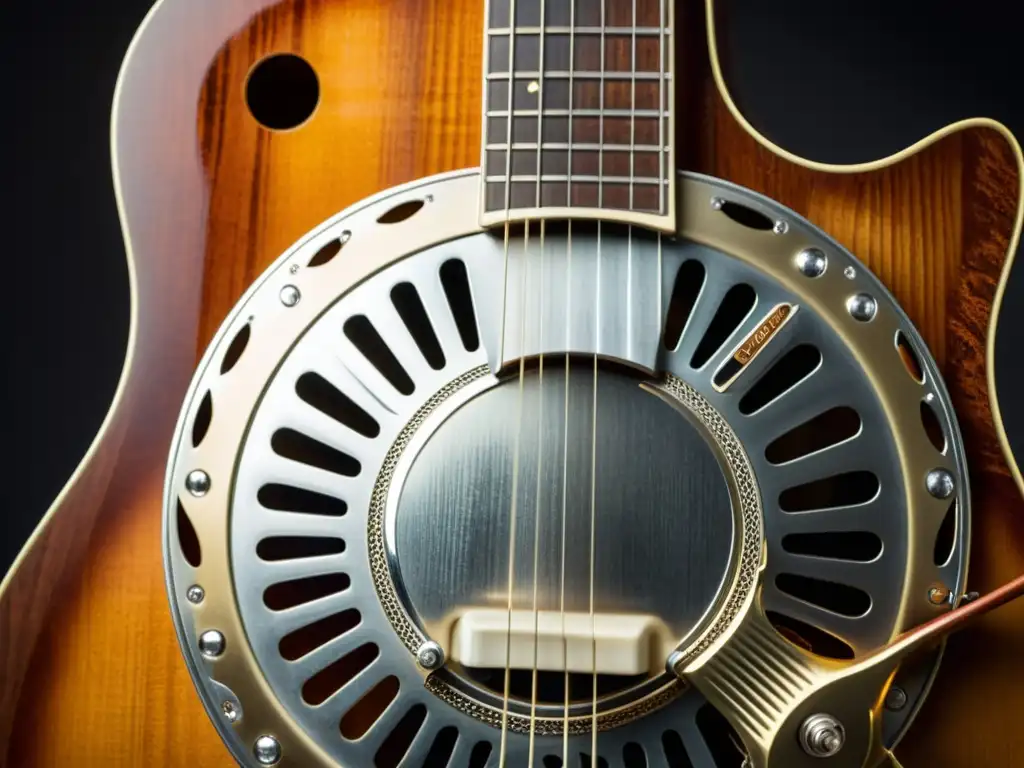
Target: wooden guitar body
<point>90,667</point>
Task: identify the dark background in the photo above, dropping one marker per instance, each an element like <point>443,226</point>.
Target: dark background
<point>879,75</point>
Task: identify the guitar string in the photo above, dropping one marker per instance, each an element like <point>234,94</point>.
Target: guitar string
<point>663,21</point>
<point>522,362</point>
<point>540,396</point>
<point>568,346</point>
<point>632,173</point>
<point>537,508</point>
<point>593,423</point>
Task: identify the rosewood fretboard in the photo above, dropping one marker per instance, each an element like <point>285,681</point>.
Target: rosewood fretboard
<point>578,111</point>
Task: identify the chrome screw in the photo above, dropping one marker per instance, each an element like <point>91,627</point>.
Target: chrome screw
<point>780,228</point>
<point>290,295</point>
<point>211,643</point>
<point>717,203</point>
<point>822,736</point>
<point>811,262</point>
<point>850,273</point>
<point>939,483</point>
<point>230,711</point>
<point>430,656</point>
<point>267,750</point>
<point>895,699</point>
<point>294,268</point>
<point>862,307</point>
<point>195,594</point>
<point>346,235</point>
<point>197,483</point>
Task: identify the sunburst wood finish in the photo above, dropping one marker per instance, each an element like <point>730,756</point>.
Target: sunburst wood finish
<point>90,637</point>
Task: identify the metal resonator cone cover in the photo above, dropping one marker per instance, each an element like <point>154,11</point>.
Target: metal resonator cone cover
<point>399,416</point>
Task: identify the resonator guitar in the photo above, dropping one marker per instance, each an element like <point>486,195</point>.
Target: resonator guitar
<point>498,395</point>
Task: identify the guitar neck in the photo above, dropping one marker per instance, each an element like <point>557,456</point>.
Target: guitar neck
<point>579,112</point>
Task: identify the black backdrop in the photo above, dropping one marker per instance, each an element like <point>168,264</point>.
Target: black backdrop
<point>882,73</point>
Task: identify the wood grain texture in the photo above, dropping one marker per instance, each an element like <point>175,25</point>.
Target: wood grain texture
<point>401,99</point>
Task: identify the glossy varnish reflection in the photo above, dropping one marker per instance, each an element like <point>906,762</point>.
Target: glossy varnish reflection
<point>400,100</point>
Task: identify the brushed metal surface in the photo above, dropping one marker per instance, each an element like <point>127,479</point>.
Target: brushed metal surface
<point>662,518</point>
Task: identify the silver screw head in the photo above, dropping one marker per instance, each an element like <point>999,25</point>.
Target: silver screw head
<point>211,643</point>
<point>862,306</point>
<point>230,711</point>
<point>430,655</point>
<point>290,295</point>
<point>197,483</point>
<point>267,750</point>
<point>849,273</point>
<point>717,203</point>
<point>895,699</point>
<point>780,228</point>
<point>293,269</point>
<point>811,262</point>
<point>347,235</point>
<point>195,594</point>
<point>822,735</point>
<point>939,483</point>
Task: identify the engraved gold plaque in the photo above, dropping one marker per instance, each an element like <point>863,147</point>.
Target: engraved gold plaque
<point>752,345</point>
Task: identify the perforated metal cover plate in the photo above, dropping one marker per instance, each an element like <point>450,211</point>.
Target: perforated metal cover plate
<point>622,289</point>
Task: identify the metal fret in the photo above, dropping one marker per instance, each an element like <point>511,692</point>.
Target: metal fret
<point>578,110</point>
